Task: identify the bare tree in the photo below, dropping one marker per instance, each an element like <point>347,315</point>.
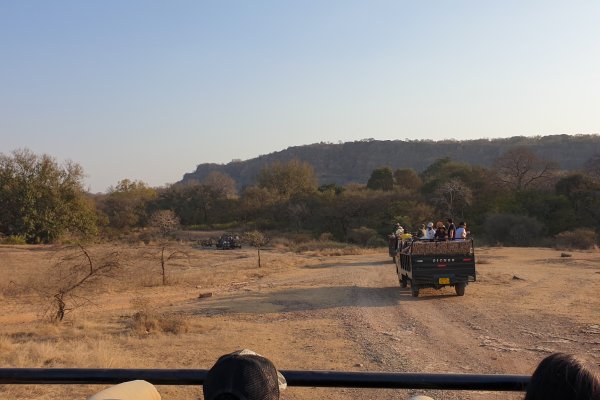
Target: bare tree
<point>166,221</point>
<point>256,239</point>
<point>521,169</point>
<point>73,273</point>
<point>453,197</point>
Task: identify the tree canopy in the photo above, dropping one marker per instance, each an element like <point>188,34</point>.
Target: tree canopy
<point>288,179</point>
<point>41,199</point>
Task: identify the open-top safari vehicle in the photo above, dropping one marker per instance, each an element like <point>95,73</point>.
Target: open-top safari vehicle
<point>431,264</point>
<point>229,242</point>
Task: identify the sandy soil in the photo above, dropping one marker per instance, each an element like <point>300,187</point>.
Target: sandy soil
<point>305,312</point>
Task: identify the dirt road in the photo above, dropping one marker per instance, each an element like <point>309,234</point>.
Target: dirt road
<point>318,312</point>
<point>526,304</point>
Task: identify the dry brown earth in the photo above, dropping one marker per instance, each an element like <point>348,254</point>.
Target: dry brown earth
<point>306,311</point>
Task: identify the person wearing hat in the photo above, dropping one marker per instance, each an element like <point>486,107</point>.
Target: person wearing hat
<point>429,232</point>
<point>132,390</point>
<point>440,231</point>
<point>243,375</point>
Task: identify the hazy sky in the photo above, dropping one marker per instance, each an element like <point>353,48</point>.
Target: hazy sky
<point>149,89</point>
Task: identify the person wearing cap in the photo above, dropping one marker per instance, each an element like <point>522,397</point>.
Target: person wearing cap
<point>398,234</point>
<point>399,230</point>
<point>430,232</point>
<point>243,375</point>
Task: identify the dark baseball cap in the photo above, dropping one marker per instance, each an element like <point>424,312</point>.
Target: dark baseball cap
<point>243,375</point>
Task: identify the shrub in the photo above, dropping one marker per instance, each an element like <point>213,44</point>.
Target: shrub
<point>581,238</point>
<point>361,235</point>
<point>326,248</point>
<point>148,320</point>
<point>513,230</point>
<point>326,237</point>
<point>15,239</point>
<point>376,241</point>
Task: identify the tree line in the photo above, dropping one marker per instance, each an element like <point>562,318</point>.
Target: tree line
<point>522,199</point>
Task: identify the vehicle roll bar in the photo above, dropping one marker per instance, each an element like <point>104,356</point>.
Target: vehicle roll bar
<point>337,379</point>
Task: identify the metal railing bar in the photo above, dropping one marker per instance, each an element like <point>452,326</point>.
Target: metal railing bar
<point>383,380</point>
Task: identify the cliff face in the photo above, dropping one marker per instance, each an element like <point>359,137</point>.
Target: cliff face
<point>354,161</point>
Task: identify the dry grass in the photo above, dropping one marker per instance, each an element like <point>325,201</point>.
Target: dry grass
<point>148,319</point>
<point>292,313</point>
<point>326,248</point>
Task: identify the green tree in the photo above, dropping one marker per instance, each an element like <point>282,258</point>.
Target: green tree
<point>126,205</point>
<point>220,184</point>
<point>407,178</point>
<point>583,193</point>
<point>41,199</point>
<point>288,179</point>
<point>193,202</point>
<point>381,179</point>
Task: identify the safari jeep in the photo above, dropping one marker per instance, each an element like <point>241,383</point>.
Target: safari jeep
<point>429,264</point>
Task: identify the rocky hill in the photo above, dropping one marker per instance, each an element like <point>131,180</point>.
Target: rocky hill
<point>354,161</point>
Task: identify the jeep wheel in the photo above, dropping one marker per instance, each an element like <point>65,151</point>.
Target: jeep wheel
<point>403,281</point>
<point>460,289</point>
<point>414,290</point>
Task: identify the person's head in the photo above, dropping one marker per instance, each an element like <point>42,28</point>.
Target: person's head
<point>449,220</point>
<point>430,225</point>
<point>562,376</point>
<point>422,226</point>
<point>462,223</point>
<point>440,225</point>
<point>243,375</point>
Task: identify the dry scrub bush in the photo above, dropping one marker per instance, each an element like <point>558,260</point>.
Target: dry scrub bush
<point>281,243</point>
<point>147,319</point>
<point>41,351</point>
<point>327,248</point>
<point>361,235</point>
<point>581,238</point>
<point>326,237</point>
<point>75,272</point>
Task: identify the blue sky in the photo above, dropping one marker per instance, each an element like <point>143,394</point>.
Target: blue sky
<point>149,89</point>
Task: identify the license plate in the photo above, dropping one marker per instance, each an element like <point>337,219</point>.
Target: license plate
<point>444,281</point>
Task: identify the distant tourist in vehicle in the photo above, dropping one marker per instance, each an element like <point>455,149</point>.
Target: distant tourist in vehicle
<point>422,232</point>
<point>451,229</point>
<point>563,377</point>
<point>398,232</point>
<point>461,231</point>
<point>440,231</point>
<point>430,232</point>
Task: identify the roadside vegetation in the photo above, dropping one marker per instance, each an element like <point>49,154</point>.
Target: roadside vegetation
<point>522,200</point>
